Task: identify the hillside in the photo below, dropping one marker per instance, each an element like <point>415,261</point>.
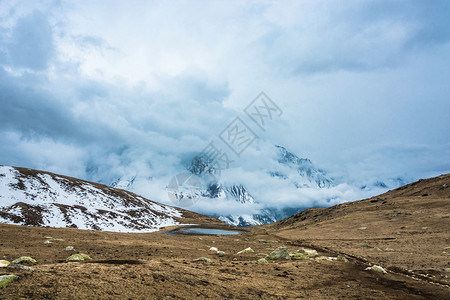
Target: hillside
<point>38,198</point>
<point>406,229</point>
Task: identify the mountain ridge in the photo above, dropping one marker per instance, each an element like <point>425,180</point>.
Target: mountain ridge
<point>40,198</point>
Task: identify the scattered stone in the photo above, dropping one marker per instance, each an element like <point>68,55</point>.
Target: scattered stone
<point>48,242</point>
<point>262,260</point>
<point>341,258</point>
<point>213,249</point>
<point>24,259</point>
<point>78,257</point>
<point>6,280</point>
<point>204,259</point>
<point>364,244</point>
<point>20,267</point>
<point>362,228</point>
<point>280,252</point>
<point>377,269</point>
<point>389,249</point>
<point>69,248</point>
<point>221,253</point>
<point>447,269</point>
<point>246,250</point>
<point>424,228</point>
<point>58,240</point>
<point>4,263</point>
<point>377,249</point>
<point>48,237</point>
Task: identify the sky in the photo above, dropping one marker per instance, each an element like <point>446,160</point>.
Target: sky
<point>102,90</point>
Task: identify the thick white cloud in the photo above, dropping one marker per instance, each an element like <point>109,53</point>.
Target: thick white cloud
<point>106,89</point>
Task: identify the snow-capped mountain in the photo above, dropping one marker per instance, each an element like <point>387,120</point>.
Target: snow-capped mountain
<point>30,197</point>
<point>307,175</point>
<point>288,177</point>
<point>299,172</point>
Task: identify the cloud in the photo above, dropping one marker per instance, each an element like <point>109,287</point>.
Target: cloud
<point>31,44</point>
<point>107,91</point>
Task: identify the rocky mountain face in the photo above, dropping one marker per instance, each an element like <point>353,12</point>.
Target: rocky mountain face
<point>30,197</point>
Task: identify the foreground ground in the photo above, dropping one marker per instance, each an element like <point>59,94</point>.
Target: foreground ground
<point>406,231</point>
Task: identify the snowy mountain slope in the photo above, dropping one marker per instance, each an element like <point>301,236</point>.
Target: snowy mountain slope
<point>30,197</point>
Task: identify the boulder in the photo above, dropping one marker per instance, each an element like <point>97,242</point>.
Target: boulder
<point>6,280</point>
<point>24,260</point>
<point>309,252</point>
<point>208,260</point>
<point>78,257</point>
<point>246,250</point>
<point>377,269</point>
<point>280,252</point>
<point>4,263</point>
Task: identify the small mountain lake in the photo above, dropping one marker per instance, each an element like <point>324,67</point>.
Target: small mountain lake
<point>202,231</point>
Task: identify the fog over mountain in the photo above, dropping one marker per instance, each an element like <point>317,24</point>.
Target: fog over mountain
<point>128,95</point>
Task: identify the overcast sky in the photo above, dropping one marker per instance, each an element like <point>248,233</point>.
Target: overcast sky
<point>103,89</point>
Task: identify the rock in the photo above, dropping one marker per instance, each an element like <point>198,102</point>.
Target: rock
<point>213,249</point>
<point>204,259</point>
<point>325,258</point>
<point>48,242</point>
<point>262,260</point>
<point>267,242</point>
<point>377,269</point>
<point>309,252</point>
<point>246,250</point>
<point>6,280</point>
<point>364,244</point>
<point>389,249</point>
<point>78,257</point>
<point>69,248</point>
<point>4,263</point>
<point>280,252</point>
<point>362,228</point>
<point>299,255</point>
<point>221,253</point>
<point>341,258</point>
<point>20,267</point>
<point>377,249</point>
<point>24,259</point>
